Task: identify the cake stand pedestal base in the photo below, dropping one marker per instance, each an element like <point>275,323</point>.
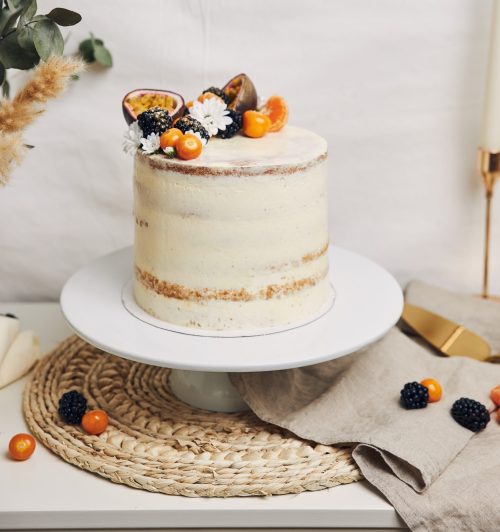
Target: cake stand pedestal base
<point>209,390</point>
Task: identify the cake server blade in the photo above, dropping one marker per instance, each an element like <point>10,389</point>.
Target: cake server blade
<point>448,337</point>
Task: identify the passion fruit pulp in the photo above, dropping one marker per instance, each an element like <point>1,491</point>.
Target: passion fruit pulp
<point>241,93</point>
<point>140,100</point>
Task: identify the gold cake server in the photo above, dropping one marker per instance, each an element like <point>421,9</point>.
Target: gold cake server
<point>448,337</point>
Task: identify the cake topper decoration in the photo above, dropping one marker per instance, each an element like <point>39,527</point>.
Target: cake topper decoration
<point>161,123</point>
<point>132,138</point>
<point>189,124</point>
<point>151,143</point>
<point>139,100</point>
<point>241,93</point>
<point>212,113</point>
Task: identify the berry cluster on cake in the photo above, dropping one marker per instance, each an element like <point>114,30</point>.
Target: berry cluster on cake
<point>230,206</point>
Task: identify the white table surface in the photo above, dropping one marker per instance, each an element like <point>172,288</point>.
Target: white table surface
<point>47,493</point>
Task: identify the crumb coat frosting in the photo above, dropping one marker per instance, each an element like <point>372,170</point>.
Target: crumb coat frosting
<point>237,238</point>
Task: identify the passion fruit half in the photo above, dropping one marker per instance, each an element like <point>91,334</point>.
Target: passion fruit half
<point>241,93</point>
<point>140,100</point>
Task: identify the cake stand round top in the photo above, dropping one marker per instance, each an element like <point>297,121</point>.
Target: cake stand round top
<point>291,148</point>
<point>368,303</point>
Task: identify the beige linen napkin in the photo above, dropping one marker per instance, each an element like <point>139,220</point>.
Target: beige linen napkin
<point>437,474</point>
<point>19,350</point>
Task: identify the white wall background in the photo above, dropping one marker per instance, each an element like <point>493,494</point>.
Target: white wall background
<point>394,85</point>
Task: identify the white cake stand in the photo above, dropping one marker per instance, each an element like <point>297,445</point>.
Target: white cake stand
<point>368,303</point>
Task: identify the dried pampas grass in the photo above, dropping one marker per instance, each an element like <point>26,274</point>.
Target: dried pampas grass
<point>48,81</point>
<point>12,150</point>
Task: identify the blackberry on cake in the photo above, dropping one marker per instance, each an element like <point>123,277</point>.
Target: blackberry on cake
<point>188,124</point>
<point>414,395</point>
<point>233,127</point>
<point>470,414</point>
<point>154,120</point>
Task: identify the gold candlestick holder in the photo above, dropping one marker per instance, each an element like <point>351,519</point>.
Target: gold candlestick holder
<point>489,166</point>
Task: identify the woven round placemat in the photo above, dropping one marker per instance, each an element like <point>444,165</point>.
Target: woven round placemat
<point>156,442</point>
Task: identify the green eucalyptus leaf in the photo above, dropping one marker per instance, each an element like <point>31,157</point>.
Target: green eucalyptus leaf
<point>102,55</point>
<point>25,39</point>
<point>36,18</point>
<point>3,73</point>
<point>30,10</point>
<point>93,49</point>
<point>13,56</point>
<point>48,39</point>
<point>86,49</point>
<point>6,89</point>
<point>14,4</point>
<point>28,13</point>
<point>8,18</point>
<point>23,4</point>
<point>64,17</point>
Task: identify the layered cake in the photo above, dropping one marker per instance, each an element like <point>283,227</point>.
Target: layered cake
<point>235,238</point>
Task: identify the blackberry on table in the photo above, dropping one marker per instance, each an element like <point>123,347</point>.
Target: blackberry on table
<point>414,395</point>
<point>154,120</point>
<point>470,414</point>
<point>189,124</point>
<point>72,407</point>
<point>218,92</point>
<point>233,127</point>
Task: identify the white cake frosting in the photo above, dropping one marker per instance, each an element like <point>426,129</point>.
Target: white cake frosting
<point>236,239</point>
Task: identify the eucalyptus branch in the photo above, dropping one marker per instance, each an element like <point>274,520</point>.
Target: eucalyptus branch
<point>26,37</point>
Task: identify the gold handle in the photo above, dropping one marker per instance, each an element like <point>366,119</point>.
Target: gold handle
<point>448,337</point>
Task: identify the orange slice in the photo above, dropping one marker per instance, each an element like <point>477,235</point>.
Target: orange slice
<point>277,110</point>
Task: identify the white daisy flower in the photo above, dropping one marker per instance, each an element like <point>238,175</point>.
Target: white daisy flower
<point>212,114</point>
<point>151,143</point>
<point>132,138</point>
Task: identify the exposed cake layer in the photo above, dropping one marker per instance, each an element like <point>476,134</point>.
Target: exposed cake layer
<point>236,239</point>
<point>235,315</point>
